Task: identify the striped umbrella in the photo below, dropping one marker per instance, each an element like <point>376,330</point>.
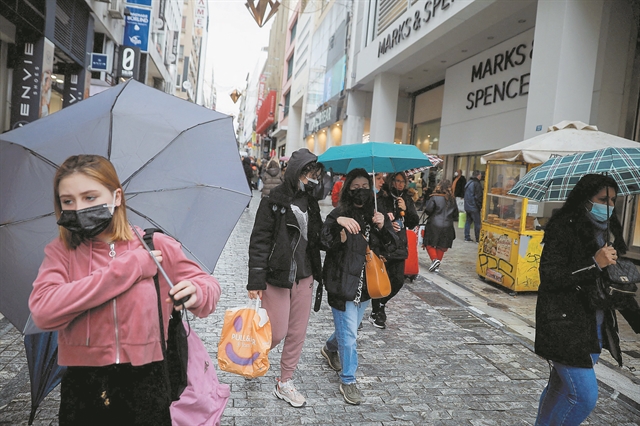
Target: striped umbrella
<point>554,180</point>
<point>435,160</point>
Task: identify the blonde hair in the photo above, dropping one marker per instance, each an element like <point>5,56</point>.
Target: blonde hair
<point>100,169</point>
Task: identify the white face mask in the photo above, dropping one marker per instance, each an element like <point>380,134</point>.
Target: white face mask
<point>455,174</point>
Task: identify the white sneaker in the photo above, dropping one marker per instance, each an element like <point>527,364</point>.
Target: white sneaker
<point>288,392</point>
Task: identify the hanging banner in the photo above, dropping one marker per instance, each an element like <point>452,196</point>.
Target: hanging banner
<point>136,29</point>
<point>31,91</point>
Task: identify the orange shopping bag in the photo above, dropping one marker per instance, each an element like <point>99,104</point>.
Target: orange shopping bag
<point>245,341</point>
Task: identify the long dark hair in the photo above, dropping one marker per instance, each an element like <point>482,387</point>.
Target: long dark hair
<point>346,201</point>
<point>576,204</point>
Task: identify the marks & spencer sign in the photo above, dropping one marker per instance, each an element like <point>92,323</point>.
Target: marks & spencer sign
<point>418,19</point>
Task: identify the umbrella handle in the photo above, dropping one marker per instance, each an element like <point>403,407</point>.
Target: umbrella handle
<point>160,268</point>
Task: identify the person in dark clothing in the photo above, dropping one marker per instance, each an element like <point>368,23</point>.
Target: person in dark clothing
<point>345,235</point>
<point>395,203</point>
<point>570,331</point>
<point>284,260</point>
<point>459,182</point>
<point>439,232</point>
<point>248,170</point>
<point>473,205</point>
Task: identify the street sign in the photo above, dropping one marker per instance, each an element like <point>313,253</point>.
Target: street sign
<point>99,62</point>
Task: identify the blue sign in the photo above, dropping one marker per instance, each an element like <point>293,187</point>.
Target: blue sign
<point>136,29</point>
<point>140,2</point>
<point>99,62</point>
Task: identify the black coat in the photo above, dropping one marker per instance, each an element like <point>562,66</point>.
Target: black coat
<point>439,230</point>
<point>276,232</point>
<point>388,204</point>
<point>344,262</point>
<point>565,321</point>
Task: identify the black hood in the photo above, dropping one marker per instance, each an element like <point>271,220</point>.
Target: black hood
<point>298,160</point>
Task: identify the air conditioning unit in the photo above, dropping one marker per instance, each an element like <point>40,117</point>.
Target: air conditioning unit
<point>116,9</point>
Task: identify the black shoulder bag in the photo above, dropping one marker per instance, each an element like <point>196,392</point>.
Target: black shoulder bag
<point>175,349</point>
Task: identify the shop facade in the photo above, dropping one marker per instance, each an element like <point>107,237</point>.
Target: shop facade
<point>482,75</point>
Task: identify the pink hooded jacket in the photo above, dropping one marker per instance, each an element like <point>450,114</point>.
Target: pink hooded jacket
<point>106,309</point>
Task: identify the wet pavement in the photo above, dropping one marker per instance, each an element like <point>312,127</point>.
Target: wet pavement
<point>456,351</point>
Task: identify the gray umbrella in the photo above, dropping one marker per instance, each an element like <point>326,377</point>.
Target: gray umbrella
<point>178,163</point>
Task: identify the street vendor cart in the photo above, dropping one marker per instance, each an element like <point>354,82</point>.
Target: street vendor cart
<point>512,229</point>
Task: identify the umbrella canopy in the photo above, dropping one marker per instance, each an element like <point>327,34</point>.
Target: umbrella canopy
<point>178,163</point>
<point>435,161</point>
<point>553,180</point>
<point>179,166</point>
<point>564,138</point>
<point>373,157</point>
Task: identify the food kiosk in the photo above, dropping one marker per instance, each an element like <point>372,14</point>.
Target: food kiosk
<point>512,229</point>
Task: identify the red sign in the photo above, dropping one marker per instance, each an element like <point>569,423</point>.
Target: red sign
<point>266,113</point>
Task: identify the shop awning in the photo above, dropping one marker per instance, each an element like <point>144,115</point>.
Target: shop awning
<point>564,138</point>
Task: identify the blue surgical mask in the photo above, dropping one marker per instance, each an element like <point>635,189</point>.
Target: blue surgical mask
<point>600,212</point>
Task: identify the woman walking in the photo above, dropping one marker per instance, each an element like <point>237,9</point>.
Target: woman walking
<point>439,233</point>
<point>570,331</point>
<point>394,202</point>
<point>95,286</point>
<point>284,260</point>
<point>347,231</point>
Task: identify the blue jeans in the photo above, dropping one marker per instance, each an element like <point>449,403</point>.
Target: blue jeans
<point>472,216</point>
<point>571,394</point>
<point>343,340</point>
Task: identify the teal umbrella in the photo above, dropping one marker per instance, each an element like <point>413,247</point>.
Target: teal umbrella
<point>374,157</point>
<point>554,180</point>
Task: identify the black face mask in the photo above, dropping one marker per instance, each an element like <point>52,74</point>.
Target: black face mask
<point>360,196</point>
<point>88,222</point>
<point>310,186</point>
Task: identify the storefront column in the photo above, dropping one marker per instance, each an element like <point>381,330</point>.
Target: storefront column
<point>354,122</point>
<point>384,107</point>
<point>564,60</point>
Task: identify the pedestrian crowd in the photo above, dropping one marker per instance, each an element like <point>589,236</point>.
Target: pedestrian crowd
<point>98,286</point>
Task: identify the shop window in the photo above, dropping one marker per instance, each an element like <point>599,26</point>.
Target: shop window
<point>426,136</point>
<point>287,99</point>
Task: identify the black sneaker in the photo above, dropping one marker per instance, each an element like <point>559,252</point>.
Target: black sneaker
<point>372,318</point>
<point>380,318</point>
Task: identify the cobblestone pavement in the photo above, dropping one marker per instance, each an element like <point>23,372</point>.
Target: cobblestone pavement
<point>439,362</point>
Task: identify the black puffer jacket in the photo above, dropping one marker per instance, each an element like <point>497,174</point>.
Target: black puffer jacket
<point>344,262</point>
<point>387,203</point>
<point>439,231</point>
<point>565,322</point>
<point>276,231</point>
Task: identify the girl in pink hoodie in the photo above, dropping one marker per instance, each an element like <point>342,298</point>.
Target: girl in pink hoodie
<point>95,286</point>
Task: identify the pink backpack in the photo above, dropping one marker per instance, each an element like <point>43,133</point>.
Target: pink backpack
<point>204,399</point>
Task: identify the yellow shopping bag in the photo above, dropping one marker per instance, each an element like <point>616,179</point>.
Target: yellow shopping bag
<point>245,341</point>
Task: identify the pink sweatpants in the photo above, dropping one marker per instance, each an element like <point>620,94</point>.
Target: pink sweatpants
<point>289,312</point>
